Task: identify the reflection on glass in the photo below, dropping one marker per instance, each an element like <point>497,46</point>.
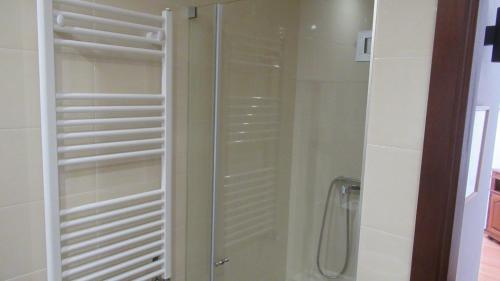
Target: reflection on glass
<point>292,112</point>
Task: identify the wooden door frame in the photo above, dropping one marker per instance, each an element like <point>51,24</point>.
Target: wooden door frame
<point>444,132</point>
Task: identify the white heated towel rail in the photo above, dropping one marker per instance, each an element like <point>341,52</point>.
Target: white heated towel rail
<point>126,238</point>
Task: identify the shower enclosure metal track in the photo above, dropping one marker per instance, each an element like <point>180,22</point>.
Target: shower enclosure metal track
<point>216,137</point>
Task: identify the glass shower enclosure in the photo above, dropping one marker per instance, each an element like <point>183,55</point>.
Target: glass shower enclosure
<point>276,119</point>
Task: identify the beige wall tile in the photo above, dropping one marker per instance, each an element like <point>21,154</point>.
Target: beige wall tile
<point>73,180</point>
<point>391,189</point>
<point>121,179</point>
<point>74,72</point>
<point>398,102</point>
<point>74,200</point>
<point>306,68</point>
<point>146,6</point>
<point>397,108</point>
<point>401,33</point>
<point>383,256</point>
<point>34,276</point>
<point>18,24</point>
<point>20,163</point>
<point>336,21</point>
<point>180,199</point>
<point>127,76</point>
<point>19,87</point>
<point>323,60</point>
<point>23,230</point>
<point>179,254</point>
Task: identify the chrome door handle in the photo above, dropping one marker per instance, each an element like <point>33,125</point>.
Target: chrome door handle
<point>222,262</point>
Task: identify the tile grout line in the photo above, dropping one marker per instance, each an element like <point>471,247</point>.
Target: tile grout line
<point>385,232</point>
<point>19,49</point>
<point>41,200</point>
<point>429,56</point>
<point>19,129</point>
<point>396,147</point>
<point>26,274</point>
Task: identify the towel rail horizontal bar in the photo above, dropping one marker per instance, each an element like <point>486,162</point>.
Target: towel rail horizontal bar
<point>248,229</point>
<point>265,177</point>
<point>106,34</point>
<point>83,147</point>
<point>120,266</point>
<point>107,133</point>
<point>122,222</point>
<point>107,157</point>
<point>111,214</point>
<point>111,202</point>
<point>252,189</point>
<point>266,193</point>
<point>112,247</point>
<point>236,241</point>
<point>149,276</point>
<point>252,106</point>
<point>116,10</point>
<point>252,115</point>
<point>102,96</point>
<point>117,23</point>
<point>252,124</point>
<point>251,204</point>
<point>250,173</point>
<point>264,131</point>
<point>251,140</point>
<point>252,212</point>
<point>111,108</point>
<point>249,222</point>
<point>254,98</point>
<point>107,121</point>
<point>107,47</point>
<point>108,259</point>
<point>128,274</point>
<point>108,237</point>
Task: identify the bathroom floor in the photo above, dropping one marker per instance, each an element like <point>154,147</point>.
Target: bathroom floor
<point>490,261</point>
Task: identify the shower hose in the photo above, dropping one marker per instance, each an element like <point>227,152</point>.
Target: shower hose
<point>348,185</point>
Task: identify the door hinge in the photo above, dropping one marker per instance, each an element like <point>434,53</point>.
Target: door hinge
<point>222,262</point>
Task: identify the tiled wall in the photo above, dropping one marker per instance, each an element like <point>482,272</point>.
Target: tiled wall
<point>404,33</point>
<point>395,131</point>
<point>22,252</point>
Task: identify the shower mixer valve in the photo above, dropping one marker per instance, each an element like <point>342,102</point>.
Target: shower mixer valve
<point>345,186</point>
<point>349,188</point>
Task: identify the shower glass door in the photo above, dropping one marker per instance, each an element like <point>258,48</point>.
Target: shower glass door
<point>254,134</point>
<point>277,107</point>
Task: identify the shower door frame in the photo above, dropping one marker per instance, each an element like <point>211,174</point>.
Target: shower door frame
<point>448,105</point>
<point>216,117</point>
<point>217,255</point>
